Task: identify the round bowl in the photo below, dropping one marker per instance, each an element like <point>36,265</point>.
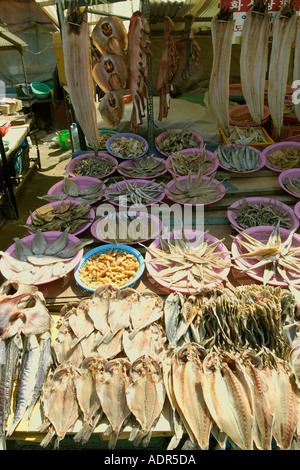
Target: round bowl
<point>140,182</point>
<point>104,249</point>
<point>129,163</point>
<point>40,90</point>
<point>233,210</point>
<point>162,136</point>
<point>83,182</point>
<point>243,109</point>
<point>293,174</point>
<point>210,169</point>
<point>100,131</point>
<point>181,179</point>
<point>155,228</point>
<point>192,235</point>
<point>81,228</point>
<point>289,118</point>
<point>127,135</point>
<point>103,156</point>
<point>262,234</point>
<point>8,273</point>
<point>297,210</point>
<point>261,160</point>
<point>273,148</point>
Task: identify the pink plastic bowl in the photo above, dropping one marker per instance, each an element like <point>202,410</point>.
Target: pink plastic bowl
<point>233,209</point>
<point>293,174</point>
<point>81,228</point>
<point>162,136</point>
<point>83,183</point>
<point>243,109</point>
<point>181,179</point>
<point>103,156</point>
<point>192,235</point>
<point>262,234</point>
<point>140,182</point>
<point>273,148</point>
<point>129,163</point>
<point>261,159</point>
<point>210,169</point>
<point>8,273</point>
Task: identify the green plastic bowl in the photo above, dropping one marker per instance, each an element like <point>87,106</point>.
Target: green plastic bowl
<point>40,90</point>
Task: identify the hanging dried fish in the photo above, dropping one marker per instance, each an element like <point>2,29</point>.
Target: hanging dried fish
<point>109,36</point>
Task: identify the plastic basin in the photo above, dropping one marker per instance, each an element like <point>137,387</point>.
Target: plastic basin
<point>40,90</point>
<point>62,136</point>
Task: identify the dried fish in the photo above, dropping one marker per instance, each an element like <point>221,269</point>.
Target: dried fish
<point>292,184</point>
<point>94,166</point>
<point>110,73</point>
<point>256,214</point>
<point>111,108</point>
<point>127,147</point>
<point>238,158</point>
<point>134,192</point>
<point>109,36</point>
<point>144,166</point>
<point>191,164</point>
<point>178,139</point>
<point>246,135</point>
<point>285,158</point>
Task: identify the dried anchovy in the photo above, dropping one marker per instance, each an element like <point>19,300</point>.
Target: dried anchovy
<point>190,164</point>
<point>92,166</point>
<point>127,147</point>
<point>253,215</point>
<point>136,194</point>
<point>144,166</point>
<point>176,140</point>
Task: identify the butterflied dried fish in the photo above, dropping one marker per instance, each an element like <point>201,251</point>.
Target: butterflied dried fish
<point>187,381</point>
<point>150,341</point>
<point>110,73</point>
<point>112,394</point>
<point>148,310</point>
<point>145,396</point>
<point>109,35</point>
<point>111,108</point>
<point>222,26</point>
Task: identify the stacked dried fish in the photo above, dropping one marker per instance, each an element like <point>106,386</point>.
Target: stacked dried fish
<point>133,192</point>
<point>110,38</point>
<point>222,26</point>
<point>41,260</point>
<point>256,214</point>
<point>95,167</point>
<point>292,184</point>
<point>71,189</point>
<point>138,51</point>
<point>191,164</point>
<point>195,189</point>
<point>285,158</point>
<point>127,147</point>
<point>284,30</point>
<point>238,158</point>
<point>246,135</point>
<point>67,215</point>
<point>175,140</point>
<point>78,70</point>
<point>144,166</point>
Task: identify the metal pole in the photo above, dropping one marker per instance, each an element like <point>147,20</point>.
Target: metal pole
<point>8,182</point>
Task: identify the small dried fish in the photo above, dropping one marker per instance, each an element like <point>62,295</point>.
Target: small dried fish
<point>246,135</point>
<point>134,192</point>
<point>127,147</point>
<point>175,140</point>
<point>191,164</point>
<point>94,166</point>
<point>255,214</point>
<point>195,189</point>
<point>238,158</point>
<point>146,165</point>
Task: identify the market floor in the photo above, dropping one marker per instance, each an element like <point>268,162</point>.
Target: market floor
<point>53,164</point>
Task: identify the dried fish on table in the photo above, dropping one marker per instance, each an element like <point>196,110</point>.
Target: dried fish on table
<point>254,50</point>
<point>292,184</point>
<point>127,147</point>
<point>145,166</point>
<point>256,214</point>
<point>134,192</point>
<point>246,135</point>
<point>166,69</point>
<point>178,139</point>
<point>139,49</point>
<point>285,158</point>
<point>78,69</point>
<point>222,26</point>
<point>71,189</point>
<point>185,164</point>
<point>195,189</point>
<point>238,158</point>
<point>284,30</point>
<point>149,340</point>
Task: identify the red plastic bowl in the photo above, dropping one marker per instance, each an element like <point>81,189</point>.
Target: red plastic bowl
<point>243,109</point>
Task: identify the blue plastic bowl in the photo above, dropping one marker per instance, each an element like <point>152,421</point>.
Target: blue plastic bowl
<point>104,249</point>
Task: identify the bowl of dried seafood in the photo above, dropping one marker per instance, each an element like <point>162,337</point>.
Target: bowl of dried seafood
<point>127,146</point>
<point>135,192</point>
<point>127,228</point>
<point>240,116</point>
<point>78,188</point>
<point>255,211</point>
<point>42,257</point>
<point>192,161</point>
<point>172,141</point>
<point>88,164</point>
<point>268,254</point>
<point>118,265</point>
<point>187,261</point>
<point>60,215</point>
<point>195,189</point>
<point>289,180</point>
<point>104,135</point>
<point>282,156</point>
<point>240,158</point>
<point>144,167</point>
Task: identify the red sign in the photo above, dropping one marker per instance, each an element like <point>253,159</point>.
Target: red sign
<point>242,6</point>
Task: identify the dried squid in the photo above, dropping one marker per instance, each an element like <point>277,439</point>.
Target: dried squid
<point>254,50</point>
<point>284,30</point>
<point>78,70</point>
<point>138,51</point>
<point>222,26</point>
